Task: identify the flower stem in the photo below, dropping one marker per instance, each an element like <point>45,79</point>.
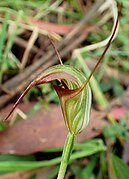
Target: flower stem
<point>66,155</point>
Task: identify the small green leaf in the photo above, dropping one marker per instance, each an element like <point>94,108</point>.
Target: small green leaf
<point>11,164</point>
<point>120,168</point>
<point>87,171</point>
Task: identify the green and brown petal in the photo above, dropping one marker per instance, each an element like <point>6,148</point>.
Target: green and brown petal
<point>75,102</point>
<point>74,94</point>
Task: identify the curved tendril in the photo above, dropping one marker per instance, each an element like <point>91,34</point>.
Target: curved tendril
<point>100,59</point>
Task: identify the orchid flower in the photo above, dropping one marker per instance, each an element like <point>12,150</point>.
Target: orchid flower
<point>75,98</point>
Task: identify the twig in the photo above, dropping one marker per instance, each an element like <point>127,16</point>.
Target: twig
<point>30,44</point>
<point>56,51</point>
<point>23,43</point>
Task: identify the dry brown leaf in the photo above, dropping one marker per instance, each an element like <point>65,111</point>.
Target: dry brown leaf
<point>18,175</point>
<point>44,172</point>
<point>44,129</point>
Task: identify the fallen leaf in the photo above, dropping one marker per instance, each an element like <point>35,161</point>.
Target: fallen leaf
<point>44,129</point>
<point>51,27</point>
<point>22,106</point>
<point>118,112</point>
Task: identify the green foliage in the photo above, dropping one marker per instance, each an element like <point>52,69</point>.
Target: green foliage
<point>2,126</point>
<point>87,171</point>
<point>6,62</point>
<point>120,168</point>
<point>53,173</point>
<point>125,66</point>
<point>119,129</point>
<point>102,166</point>
<point>11,163</point>
<point>114,85</point>
<point>13,157</point>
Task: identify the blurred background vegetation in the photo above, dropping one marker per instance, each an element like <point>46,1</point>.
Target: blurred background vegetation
<point>26,50</point>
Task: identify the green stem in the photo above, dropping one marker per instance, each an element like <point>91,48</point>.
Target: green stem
<point>66,155</point>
